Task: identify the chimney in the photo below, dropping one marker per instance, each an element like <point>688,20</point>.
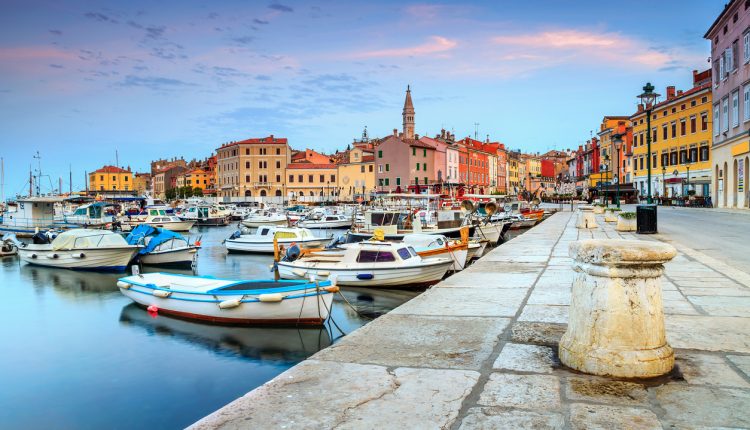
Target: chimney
<point>670,92</point>
<point>679,93</point>
<point>395,132</point>
<point>416,136</point>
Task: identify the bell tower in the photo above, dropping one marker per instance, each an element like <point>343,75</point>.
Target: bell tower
<point>408,116</point>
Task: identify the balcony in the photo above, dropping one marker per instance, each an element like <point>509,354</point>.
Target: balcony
<point>263,184</point>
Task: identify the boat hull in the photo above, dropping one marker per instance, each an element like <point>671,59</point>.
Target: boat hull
<point>180,226</point>
<point>171,257</point>
<point>260,223</point>
<point>451,233</point>
<point>403,276</point>
<point>234,245</point>
<point>101,259</point>
<point>325,225</point>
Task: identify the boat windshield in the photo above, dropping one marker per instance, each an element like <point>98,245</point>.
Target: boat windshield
<point>404,254</point>
<point>375,257</point>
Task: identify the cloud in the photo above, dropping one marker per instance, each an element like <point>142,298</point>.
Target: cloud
<point>280,7</point>
<point>56,32</point>
<point>435,45</point>
<point>243,40</point>
<point>158,83</point>
<point>155,32</point>
<point>57,66</point>
<point>262,78</point>
<point>98,16</point>
<point>260,21</point>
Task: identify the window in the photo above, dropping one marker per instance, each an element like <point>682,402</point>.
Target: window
<point>380,168</point>
<point>278,164</point>
<point>746,46</point>
<point>247,151</point>
<point>387,181</point>
<point>674,129</point>
<point>424,166</point>
<point>362,169</point>
<point>370,167</point>
<point>673,158</point>
<point>299,178</point>
<point>424,153</point>
<point>310,178</point>
<point>278,179</point>
<point>746,99</point>
<point>333,178</point>
<point>417,166</point>
<point>664,132</point>
<point>653,132</point>
<point>404,254</point>
<point>692,124</point>
<point>247,178</point>
<point>722,68</point>
<point>735,109</point>
<point>665,159</point>
<point>278,151</point>
<point>716,120</point>
<point>693,155</point>
<point>635,140</point>
<point>414,151</point>
<point>425,180</point>
<point>126,179</point>
<point>398,181</point>
<point>375,256</point>
<point>380,154</point>
<point>387,167</point>
<point>291,178</point>
<point>725,114</point>
<point>247,164</point>
<point>704,153</point>
<point>683,127</point>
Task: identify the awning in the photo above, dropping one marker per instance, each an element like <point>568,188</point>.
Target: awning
<point>674,180</point>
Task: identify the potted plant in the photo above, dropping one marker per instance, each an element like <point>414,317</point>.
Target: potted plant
<point>598,208</point>
<point>626,221</point>
<point>611,214</point>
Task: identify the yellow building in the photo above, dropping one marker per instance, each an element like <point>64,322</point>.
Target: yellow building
<point>608,153</point>
<point>197,178</point>
<point>111,178</point>
<point>356,174</point>
<point>680,142</point>
<point>514,164</point>
<point>532,172</point>
<point>142,183</point>
<point>308,182</point>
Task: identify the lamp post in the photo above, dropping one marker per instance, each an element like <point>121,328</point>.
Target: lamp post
<point>648,97</point>
<point>687,164</point>
<point>663,182</point>
<point>601,183</point>
<point>618,145</point>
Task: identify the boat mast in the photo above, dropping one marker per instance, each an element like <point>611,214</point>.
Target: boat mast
<point>70,179</point>
<point>31,182</point>
<point>2,180</point>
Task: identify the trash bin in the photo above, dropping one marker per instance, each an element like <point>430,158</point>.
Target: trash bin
<point>646,219</point>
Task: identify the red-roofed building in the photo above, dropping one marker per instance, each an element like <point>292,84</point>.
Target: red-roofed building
<point>403,164</point>
<point>311,182</point>
<point>111,179</point>
<point>477,166</point>
<point>310,156</point>
<point>356,173</point>
<point>252,168</point>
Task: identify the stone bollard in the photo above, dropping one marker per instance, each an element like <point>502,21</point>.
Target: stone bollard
<point>616,323</point>
<point>586,218</point>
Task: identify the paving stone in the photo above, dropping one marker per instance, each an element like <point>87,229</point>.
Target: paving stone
<point>544,313</point>
<point>420,341</point>
<point>602,390</point>
<point>366,396</point>
<point>742,362</point>
<point>708,333</point>
<point>547,296</point>
<point>491,280</point>
<point>539,333</point>
<point>538,392</point>
<point>692,406</point>
<point>604,417</point>
<point>706,369</point>
<point>723,306</point>
<point>503,419</point>
<point>716,291</point>
<point>464,301</point>
<point>679,307</point>
<point>526,358</point>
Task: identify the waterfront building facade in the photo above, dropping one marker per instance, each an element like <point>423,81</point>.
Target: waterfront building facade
<point>730,151</point>
<point>355,173</point>
<point>111,178</point>
<point>310,182</point>
<point>252,168</point>
<point>680,142</point>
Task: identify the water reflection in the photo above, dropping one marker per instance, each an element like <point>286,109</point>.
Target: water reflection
<point>281,345</point>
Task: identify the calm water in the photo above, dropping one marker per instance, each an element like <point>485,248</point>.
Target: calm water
<point>78,354</point>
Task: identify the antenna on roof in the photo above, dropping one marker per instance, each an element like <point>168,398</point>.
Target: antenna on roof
<point>476,130</point>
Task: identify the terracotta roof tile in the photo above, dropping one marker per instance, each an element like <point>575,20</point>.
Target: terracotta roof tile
<point>111,169</point>
<point>310,166</point>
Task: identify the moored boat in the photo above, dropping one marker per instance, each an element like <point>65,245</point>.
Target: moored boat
<point>8,246</point>
<point>232,301</point>
<point>81,249</point>
<point>264,217</point>
<point>430,245</point>
<point>326,221</point>
<point>262,240</point>
<point>161,247</point>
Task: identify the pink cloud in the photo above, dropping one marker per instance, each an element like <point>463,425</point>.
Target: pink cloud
<point>570,39</point>
<point>34,53</point>
<point>436,44</point>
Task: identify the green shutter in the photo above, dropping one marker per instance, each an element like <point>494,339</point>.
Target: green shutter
<point>387,167</point>
<point>425,152</point>
<point>417,166</point>
<point>398,181</point>
<point>387,181</point>
<point>425,180</point>
<point>380,154</point>
<point>414,151</point>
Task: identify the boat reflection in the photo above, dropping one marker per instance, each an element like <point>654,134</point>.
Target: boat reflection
<point>373,302</point>
<point>282,345</point>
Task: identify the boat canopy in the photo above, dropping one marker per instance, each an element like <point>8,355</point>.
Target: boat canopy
<point>158,236</point>
<point>87,238</point>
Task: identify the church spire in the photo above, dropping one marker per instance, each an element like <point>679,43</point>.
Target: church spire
<point>408,115</point>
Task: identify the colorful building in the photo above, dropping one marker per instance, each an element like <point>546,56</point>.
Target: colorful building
<point>730,152</point>
<point>112,179</point>
<point>309,182</point>
<point>253,167</point>
<point>142,183</point>
<point>356,174</point>
<point>680,140</point>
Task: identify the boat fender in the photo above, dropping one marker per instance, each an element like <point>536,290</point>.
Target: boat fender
<point>123,285</point>
<point>79,255</point>
<point>229,304</point>
<point>161,293</point>
<point>270,298</point>
<point>365,276</point>
<point>33,256</point>
<point>53,256</point>
<point>324,273</point>
<point>299,272</point>
<point>332,289</point>
<point>153,309</point>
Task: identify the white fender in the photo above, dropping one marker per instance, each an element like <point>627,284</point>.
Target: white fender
<point>300,272</point>
<point>78,255</point>
<point>324,273</point>
<point>123,285</point>
<point>229,304</point>
<point>52,257</point>
<point>161,293</point>
<point>270,298</point>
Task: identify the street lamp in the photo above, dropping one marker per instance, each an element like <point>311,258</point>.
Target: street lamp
<point>618,145</point>
<point>602,183</point>
<point>663,182</point>
<point>648,98</point>
<point>687,164</point>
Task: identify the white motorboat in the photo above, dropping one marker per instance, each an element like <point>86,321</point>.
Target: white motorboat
<point>81,249</point>
<point>157,218</point>
<point>89,215</point>
<point>369,263</point>
<point>162,247</point>
<point>231,301</point>
<point>262,240</point>
<point>434,245</point>
<point>204,214</point>
<point>264,217</point>
<point>490,231</point>
<point>326,221</point>
<point>8,246</point>
<point>476,249</point>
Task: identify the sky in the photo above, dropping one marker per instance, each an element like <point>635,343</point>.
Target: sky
<point>84,82</point>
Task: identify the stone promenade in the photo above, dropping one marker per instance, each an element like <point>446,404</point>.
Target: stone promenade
<point>479,350</point>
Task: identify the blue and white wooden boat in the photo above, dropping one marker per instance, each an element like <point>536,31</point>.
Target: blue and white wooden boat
<point>229,301</point>
<point>162,247</point>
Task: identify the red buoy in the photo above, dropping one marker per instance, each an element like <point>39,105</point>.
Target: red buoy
<point>153,310</point>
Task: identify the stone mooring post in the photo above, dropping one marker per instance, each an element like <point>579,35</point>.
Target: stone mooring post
<point>586,218</point>
<point>616,323</point>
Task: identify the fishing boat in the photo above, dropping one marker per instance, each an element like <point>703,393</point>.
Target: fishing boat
<point>204,214</point>
<point>264,217</point>
<point>162,247</point>
<point>231,301</point>
<point>520,221</point>
<point>31,214</point>
<point>262,240</point>
<point>89,215</point>
<point>397,223</point>
<point>324,221</point>
<point>81,249</point>
<point>8,246</point>
<point>433,245</point>
<point>368,263</point>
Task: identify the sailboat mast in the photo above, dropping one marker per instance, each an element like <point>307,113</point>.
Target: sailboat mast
<point>31,182</point>
<point>70,179</point>
<point>2,180</point>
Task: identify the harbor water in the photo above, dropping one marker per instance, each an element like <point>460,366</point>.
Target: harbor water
<point>78,354</point>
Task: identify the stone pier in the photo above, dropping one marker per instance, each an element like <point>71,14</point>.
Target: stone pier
<point>479,350</point>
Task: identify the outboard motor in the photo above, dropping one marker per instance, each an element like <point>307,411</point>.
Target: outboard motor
<point>336,242</point>
<point>292,253</point>
<point>40,238</point>
<point>236,235</point>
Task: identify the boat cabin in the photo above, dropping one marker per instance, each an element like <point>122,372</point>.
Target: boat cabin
<point>32,212</point>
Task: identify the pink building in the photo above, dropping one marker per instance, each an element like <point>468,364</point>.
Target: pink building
<point>402,164</point>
